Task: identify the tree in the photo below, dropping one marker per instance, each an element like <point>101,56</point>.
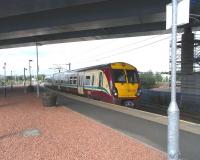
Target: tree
<point>41,77</point>
<point>158,77</point>
<point>148,80</point>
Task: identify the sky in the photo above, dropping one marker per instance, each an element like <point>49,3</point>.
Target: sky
<point>145,53</point>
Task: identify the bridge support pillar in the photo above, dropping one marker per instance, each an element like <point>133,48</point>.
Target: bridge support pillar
<point>187,59</point>
<point>190,86</point>
<point>187,52</point>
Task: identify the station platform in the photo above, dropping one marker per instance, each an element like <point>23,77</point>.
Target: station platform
<point>146,127</point>
<point>30,131</point>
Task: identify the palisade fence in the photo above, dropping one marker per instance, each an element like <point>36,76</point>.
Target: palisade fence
<point>187,102</point>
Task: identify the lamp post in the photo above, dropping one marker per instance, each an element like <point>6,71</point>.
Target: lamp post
<point>25,79</point>
<point>38,89</point>
<point>173,110</point>
<point>4,67</point>
<point>30,71</point>
<point>11,84</point>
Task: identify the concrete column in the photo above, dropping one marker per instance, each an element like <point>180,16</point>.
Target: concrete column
<point>189,80</point>
<point>187,52</point>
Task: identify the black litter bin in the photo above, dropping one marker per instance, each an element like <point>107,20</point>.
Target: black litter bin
<point>49,99</point>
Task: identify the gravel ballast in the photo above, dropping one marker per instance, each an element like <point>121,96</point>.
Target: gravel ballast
<point>58,133</point>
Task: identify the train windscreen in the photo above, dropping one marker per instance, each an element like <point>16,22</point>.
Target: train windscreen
<point>119,75</point>
<point>132,76</point>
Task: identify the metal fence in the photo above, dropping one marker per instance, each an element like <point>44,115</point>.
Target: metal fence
<point>189,103</point>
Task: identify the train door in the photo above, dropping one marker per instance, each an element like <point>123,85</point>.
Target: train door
<point>80,83</point>
<point>100,85</point>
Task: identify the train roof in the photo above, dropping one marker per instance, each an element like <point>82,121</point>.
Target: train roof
<point>93,67</point>
<point>102,66</point>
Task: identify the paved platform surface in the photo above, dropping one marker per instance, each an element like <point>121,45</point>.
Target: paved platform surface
<point>29,131</point>
<point>146,127</point>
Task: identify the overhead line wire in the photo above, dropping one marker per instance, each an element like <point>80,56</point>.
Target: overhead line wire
<point>122,47</point>
<point>124,52</point>
<point>128,45</point>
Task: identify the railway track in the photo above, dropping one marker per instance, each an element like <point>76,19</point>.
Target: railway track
<point>163,111</point>
<point>152,109</point>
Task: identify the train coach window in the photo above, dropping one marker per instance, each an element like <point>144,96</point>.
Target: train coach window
<point>132,76</point>
<point>87,80</point>
<point>119,75</point>
<point>71,80</point>
<point>74,80</point>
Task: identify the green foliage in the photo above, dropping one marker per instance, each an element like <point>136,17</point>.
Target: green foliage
<point>150,80</point>
<point>41,77</point>
<point>147,79</point>
<point>158,77</point>
<point>166,79</point>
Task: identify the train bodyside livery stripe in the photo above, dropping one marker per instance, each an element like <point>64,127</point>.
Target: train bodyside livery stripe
<point>88,88</point>
<point>97,89</point>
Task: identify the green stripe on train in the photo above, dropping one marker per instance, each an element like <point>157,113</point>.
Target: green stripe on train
<point>87,87</point>
<point>96,89</point>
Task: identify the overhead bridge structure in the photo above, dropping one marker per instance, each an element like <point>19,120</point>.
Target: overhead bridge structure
<point>25,22</point>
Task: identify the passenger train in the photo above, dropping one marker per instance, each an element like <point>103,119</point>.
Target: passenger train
<point>116,83</point>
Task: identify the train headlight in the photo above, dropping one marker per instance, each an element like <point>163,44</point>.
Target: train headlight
<point>114,92</point>
<point>139,92</point>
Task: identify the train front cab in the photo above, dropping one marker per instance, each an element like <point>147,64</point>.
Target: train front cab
<point>126,84</point>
